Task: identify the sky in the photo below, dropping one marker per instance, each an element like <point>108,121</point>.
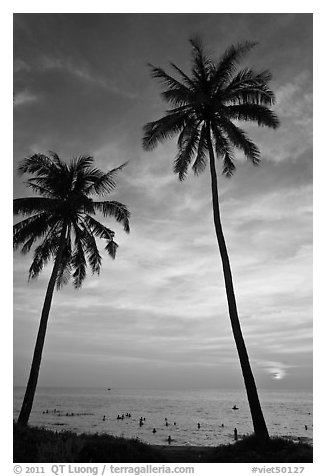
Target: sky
<point>157,315</point>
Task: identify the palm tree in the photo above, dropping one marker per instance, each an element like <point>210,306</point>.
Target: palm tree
<point>62,219</point>
<point>204,106</point>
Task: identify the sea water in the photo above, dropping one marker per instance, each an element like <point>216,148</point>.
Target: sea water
<point>171,413</point>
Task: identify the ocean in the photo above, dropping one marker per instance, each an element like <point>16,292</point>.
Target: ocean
<point>171,413</point>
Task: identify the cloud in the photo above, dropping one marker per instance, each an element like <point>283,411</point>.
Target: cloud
<point>24,97</point>
<point>294,99</point>
<point>83,72</point>
<point>21,66</point>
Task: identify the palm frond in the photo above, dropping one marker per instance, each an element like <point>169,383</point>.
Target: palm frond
<point>111,248</point>
<point>177,97</point>
<point>82,163</point>
<point>253,112</point>
<point>187,144</point>
<point>168,80</point>
<point>42,254</point>
<point>93,255</point>
<point>102,183</point>
<point>98,229</point>
<point>57,183</point>
<point>39,189</point>
<point>222,145</point>
<point>101,231</point>
<point>29,205</point>
<point>225,69</point>
<point>45,184</point>
<point>164,128</point>
<point>223,148</point>
<point>78,260</point>
<point>190,83</point>
<point>240,140</point>
<point>117,210</point>
<point>201,63</point>
<point>65,266</point>
<point>228,165</point>
<point>35,227</point>
<point>250,87</point>
<point>64,274</point>
<point>202,149</point>
<point>51,232</point>
<point>59,164</point>
<point>36,164</point>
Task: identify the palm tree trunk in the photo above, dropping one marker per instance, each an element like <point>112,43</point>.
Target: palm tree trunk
<point>37,356</point>
<point>258,420</point>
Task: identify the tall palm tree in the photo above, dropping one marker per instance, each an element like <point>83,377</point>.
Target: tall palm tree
<point>62,219</point>
<point>204,106</point>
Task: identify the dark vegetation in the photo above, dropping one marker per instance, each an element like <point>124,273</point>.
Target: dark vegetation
<point>37,445</point>
<point>276,450</point>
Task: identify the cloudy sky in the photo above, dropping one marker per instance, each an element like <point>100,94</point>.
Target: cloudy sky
<point>157,315</point>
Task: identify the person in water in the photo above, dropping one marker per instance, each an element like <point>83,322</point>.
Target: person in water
<point>154,430</point>
<point>198,425</point>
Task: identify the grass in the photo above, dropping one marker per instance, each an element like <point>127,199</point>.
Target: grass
<point>276,450</point>
<point>37,445</point>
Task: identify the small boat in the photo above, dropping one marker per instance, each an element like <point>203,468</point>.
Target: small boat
<point>235,407</point>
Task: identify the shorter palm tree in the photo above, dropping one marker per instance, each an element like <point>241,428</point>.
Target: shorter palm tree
<point>62,219</point>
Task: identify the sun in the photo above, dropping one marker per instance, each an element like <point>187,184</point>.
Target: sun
<point>277,376</point>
